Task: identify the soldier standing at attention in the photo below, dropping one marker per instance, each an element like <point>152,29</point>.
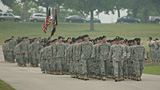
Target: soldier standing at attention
<point>12,44</point>
<point>24,51</point>
<point>86,51</point>
<point>60,53</point>
<point>117,54</point>
<point>124,64</point>
<point>139,53</point>
<point>104,49</point>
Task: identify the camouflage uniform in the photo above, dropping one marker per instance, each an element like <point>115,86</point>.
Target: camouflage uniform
<point>116,52</point>
<point>24,52</point>
<point>17,53</point>
<point>35,56</point>
<point>130,63</point>
<point>12,44</point>
<point>53,59</point>
<point>60,53</point>
<point>125,64</point>
<point>139,53</point>
<point>104,49</point>
<point>86,52</point>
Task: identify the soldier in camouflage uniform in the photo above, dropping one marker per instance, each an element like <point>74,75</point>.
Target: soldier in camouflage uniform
<point>67,45</point>
<point>104,49</point>
<point>117,54</point>
<point>24,51</point>
<point>139,53</point>
<point>43,58</point>
<point>4,48</point>
<point>17,53</point>
<point>153,49</point>
<point>35,56</point>
<point>53,59</point>
<point>30,53</point>
<point>124,63</point>
<point>86,52</point>
<point>12,44</point>
<point>60,53</point>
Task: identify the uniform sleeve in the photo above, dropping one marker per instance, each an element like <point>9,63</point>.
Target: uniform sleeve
<point>110,53</point>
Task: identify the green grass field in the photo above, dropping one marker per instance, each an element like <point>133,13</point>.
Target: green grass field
<point>4,86</point>
<point>130,31</point>
<point>152,69</point>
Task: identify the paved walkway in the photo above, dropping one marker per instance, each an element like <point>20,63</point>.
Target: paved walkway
<point>29,78</point>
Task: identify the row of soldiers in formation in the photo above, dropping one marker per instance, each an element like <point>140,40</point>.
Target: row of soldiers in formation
<point>154,48</point>
<point>80,57</point>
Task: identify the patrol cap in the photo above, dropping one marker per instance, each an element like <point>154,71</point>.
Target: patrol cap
<point>85,35</point>
<point>44,45</point>
<point>103,37</point>
<point>12,37</point>
<point>126,40</point>
<point>117,38</point>
<point>41,41</point>
<point>63,37</point>
<point>60,37</point>
<point>138,39</point>
<point>73,39</point>
<point>121,38</point>
<point>135,39</point>
<point>68,38</point>
<point>155,39</point>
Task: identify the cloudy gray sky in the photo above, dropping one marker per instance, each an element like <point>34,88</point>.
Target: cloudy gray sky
<point>102,16</point>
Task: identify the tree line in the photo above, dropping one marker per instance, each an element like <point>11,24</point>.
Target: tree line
<point>135,8</point>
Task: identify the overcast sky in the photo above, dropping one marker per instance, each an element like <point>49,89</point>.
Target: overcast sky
<point>103,17</point>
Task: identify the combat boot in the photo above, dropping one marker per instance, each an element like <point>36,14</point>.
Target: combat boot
<point>121,79</point>
<point>116,79</point>
<point>86,77</point>
<point>138,79</point>
<point>60,73</point>
<point>98,77</point>
<point>103,78</point>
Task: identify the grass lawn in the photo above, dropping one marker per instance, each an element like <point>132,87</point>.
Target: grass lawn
<point>152,69</point>
<point>130,31</point>
<point>4,86</point>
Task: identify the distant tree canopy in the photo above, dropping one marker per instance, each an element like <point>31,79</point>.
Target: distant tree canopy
<point>136,8</point>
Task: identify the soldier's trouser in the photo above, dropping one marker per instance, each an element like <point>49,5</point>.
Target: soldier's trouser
<point>141,67</point>
<point>125,68</point>
<point>97,68</point>
<point>47,65</point>
<point>102,67</point>
<point>68,66</point>
<point>35,59</point>
<point>22,60</point>
<point>52,65</point>
<point>59,64</point>
<point>79,67</point>
<point>89,67</point>
<point>137,68</point>
<point>110,69</point>
<point>117,68</point>
<point>71,67</point>
<point>84,67</point>
<point>158,56</point>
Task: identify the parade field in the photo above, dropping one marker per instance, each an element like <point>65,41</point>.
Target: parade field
<point>128,31</point>
<point>35,80</point>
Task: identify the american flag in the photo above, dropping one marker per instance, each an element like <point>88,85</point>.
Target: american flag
<point>47,22</point>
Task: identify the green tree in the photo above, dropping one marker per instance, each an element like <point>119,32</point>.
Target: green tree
<point>87,7</point>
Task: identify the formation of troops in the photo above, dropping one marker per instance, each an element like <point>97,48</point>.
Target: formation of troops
<point>81,57</point>
<point>154,48</point>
